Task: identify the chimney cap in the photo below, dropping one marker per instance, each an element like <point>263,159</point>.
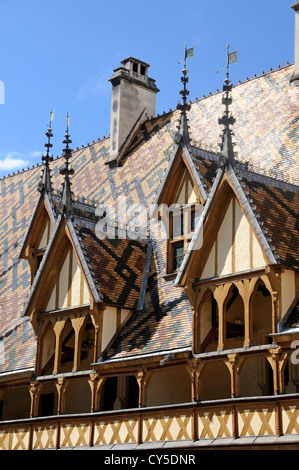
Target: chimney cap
<point>132,59</point>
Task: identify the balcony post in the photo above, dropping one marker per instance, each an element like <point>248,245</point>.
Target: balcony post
<point>35,391</point>
<point>60,385</point>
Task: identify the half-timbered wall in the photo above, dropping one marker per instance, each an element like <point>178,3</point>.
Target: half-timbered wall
<point>236,247</point>
<point>70,288</point>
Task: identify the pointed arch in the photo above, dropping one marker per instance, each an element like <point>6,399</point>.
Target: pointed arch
<point>234,318</point>
<point>207,323</point>
<point>86,342</point>
<point>47,349</point>
<point>260,314</point>
<point>67,347</point>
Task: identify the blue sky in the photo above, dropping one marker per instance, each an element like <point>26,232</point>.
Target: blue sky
<point>60,54</point>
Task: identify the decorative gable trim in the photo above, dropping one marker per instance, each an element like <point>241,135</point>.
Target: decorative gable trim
<point>245,204</point>
<point>43,199</point>
<point>85,268</point>
<point>187,158</point>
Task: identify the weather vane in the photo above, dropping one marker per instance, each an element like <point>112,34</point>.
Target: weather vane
<point>188,53</point>
<point>231,58</point>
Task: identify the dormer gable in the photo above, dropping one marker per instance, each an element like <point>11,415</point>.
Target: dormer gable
<point>181,183</point>
<point>62,272</point>
<point>229,238</point>
<point>179,200</point>
<point>38,233</point>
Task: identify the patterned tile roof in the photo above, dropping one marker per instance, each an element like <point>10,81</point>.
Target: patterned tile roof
<point>277,204</point>
<point>266,134</point>
<point>163,325</point>
<point>266,131</point>
<point>117,266</point>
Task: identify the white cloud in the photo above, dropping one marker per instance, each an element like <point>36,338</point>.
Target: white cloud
<point>16,160</point>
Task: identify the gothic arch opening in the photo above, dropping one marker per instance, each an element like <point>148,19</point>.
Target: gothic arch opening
<point>208,323</point>
<point>78,397</point>
<point>120,393</point>
<point>67,347</point>
<point>169,386</point>
<point>15,403</point>
<point>291,375</point>
<point>256,377</point>
<point>261,315</point>
<point>234,317</point>
<point>48,400</point>
<point>86,344</point>
<point>47,351</point>
<point>215,381</point>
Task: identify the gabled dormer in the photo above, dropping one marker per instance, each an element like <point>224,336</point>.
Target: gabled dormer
<point>239,284</point>
<point>38,234</point>
<point>43,218</point>
<point>179,203</point>
<point>82,293</point>
<point>181,195</point>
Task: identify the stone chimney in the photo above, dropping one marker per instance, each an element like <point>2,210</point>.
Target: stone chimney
<point>295,76</point>
<point>133,101</point>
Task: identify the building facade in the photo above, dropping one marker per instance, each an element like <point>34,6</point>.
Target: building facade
<point>149,281</point>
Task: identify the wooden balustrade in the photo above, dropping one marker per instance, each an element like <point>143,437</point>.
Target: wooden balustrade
<point>231,418</point>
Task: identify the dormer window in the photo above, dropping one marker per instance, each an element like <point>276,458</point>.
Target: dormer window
<point>182,223</point>
<point>177,255</point>
<point>38,257</point>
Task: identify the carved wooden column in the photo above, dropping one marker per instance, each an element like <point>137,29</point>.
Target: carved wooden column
<point>246,288</point>
<point>35,391</point>
<point>220,294</point>
<point>61,389</point>
<point>77,324</point>
<point>58,327</point>
<point>93,387</point>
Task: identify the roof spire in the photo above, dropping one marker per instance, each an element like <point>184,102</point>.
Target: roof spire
<point>66,204</point>
<point>45,185</point>
<point>183,132</point>
<point>226,146</point>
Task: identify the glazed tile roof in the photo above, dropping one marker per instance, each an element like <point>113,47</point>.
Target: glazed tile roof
<point>266,134</point>
<point>277,205</point>
<point>117,266</point>
<point>163,325</point>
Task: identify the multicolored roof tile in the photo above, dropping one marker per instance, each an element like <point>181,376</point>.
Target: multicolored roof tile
<point>266,135</point>
<point>117,266</point>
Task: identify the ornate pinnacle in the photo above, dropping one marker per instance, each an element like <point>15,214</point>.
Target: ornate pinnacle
<point>226,146</point>
<point>66,204</point>
<point>45,184</point>
<point>183,132</point>
<point>227,120</point>
<point>183,107</point>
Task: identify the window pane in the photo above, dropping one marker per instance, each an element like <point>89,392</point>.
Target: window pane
<point>178,255</point>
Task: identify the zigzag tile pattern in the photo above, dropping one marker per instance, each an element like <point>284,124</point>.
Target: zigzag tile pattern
<point>117,266</point>
<point>277,204</point>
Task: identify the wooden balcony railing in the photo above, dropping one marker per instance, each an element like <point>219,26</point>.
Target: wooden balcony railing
<point>231,418</point>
